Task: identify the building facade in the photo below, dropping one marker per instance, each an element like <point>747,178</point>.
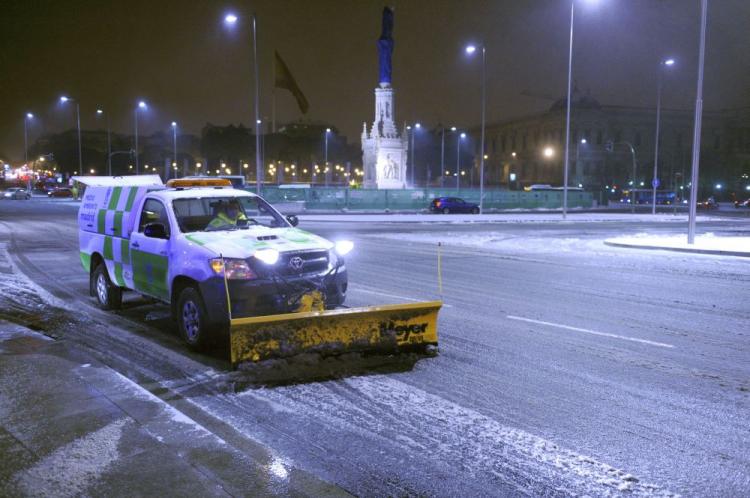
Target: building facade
<point>607,139</point>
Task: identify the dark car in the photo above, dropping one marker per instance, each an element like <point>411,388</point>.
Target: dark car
<point>742,204</point>
<point>708,204</point>
<point>60,192</point>
<point>447,205</point>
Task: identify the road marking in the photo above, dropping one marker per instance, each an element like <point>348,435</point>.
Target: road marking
<point>394,296</point>
<point>593,332</point>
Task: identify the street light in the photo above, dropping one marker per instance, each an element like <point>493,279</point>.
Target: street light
<point>26,119</point>
<point>230,20</point>
<point>470,50</point>
<point>328,132</point>
<point>655,181</point>
<point>141,105</point>
<point>174,145</point>
<point>697,127</point>
<point>63,100</point>
<point>413,164</point>
<point>459,137</point>
<point>100,112</point>
<point>548,152</point>
<point>567,112</point>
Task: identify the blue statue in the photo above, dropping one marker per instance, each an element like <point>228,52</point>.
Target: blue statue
<point>385,47</point>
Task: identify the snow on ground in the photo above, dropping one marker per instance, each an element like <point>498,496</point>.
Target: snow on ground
<point>706,242</point>
<point>515,217</point>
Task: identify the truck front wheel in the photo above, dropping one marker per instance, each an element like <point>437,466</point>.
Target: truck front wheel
<point>108,295</point>
<point>192,319</point>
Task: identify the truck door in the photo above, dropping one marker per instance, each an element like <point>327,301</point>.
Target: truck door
<point>149,254</point>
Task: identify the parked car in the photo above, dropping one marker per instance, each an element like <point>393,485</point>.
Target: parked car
<point>17,193</point>
<point>60,192</point>
<point>742,204</point>
<point>447,205</point>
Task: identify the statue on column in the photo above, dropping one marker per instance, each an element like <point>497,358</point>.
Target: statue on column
<point>385,47</point>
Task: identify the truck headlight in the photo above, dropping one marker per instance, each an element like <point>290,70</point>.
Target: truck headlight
<point>235,269</point>
<point>344,247</point>
<point>268,256</point>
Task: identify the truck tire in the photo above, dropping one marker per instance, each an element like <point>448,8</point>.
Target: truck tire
<point>108,295</point>
<point>192,320</point>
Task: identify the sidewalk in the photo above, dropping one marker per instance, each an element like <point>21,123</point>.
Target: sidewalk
<point>71,426</point>
<point>704,244</point>
<point>508,217</point>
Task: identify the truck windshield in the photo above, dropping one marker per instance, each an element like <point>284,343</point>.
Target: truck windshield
<point>205,214</point>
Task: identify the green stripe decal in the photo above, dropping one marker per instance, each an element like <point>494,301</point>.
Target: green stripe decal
<point>86,261</point>
<point>131,199</point>
<point>195,240</point>
<point>101,220</point>
<point>108,253</point>
<point>125,251</point>
<point>118,275</point>
<point>115,198</point>
<point>117,228</point>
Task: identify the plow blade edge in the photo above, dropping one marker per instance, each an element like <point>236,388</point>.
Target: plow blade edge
<point>386,328</point>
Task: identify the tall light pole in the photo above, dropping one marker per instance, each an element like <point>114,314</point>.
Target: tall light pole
<point>63,100</point>
<point>458,160</point>
<point>413,164</point>
<point>662,65</point>
<point>141,105</point>
<point>325,171</point>
<point>109,142</point>
<point>470,50</point>
<point>231,20</point>
<point>697,127</point>
<point>566,160</point>
<point>174,147</point>
<point>26,119</point>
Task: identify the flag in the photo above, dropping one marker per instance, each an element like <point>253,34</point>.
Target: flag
<point>284,79</point>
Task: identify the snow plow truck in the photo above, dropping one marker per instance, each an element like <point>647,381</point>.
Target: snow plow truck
<point>224,259</point>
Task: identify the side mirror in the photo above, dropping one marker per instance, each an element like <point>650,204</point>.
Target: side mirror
<point>155,231</point>
<point>293,220</point>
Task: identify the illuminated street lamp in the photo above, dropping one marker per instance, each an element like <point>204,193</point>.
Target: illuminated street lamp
<point>100,112</point>
<point>548,152</point>
<point>417,126</point>
<point>63,100</point>
<point>470,50</point>
<point>459,137</point>
<point>26,119</point>
<point>328,132</point>
<point>655,182</point>
<point>141,105</point>
<point>230,20</point>
<point>174,145</point>
<point>567,114</point>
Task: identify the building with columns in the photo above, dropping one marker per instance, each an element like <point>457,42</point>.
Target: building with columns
<point>532,147</point>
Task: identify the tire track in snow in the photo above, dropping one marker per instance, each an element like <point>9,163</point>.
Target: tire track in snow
<point>393,412</point>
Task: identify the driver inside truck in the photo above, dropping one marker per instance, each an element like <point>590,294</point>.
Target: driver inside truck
<point>228,215</point>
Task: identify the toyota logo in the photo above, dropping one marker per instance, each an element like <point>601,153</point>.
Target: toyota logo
<point>296,263</point>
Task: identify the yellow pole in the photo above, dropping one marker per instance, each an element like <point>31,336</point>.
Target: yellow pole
<point>440,270</point>
<point>226,286</point>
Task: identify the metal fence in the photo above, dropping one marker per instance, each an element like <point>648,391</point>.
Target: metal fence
<point>338,198</point>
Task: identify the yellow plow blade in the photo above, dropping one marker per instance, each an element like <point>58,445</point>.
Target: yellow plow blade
<point>386,328</point>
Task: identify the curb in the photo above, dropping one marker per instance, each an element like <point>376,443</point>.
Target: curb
<point>715,252</point>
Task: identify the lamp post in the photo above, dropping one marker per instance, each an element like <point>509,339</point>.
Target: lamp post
<point>325,170</point>
<point>63,100</point>
<point>566,160</point>
<point>662,64</point>
<point>109,142</point>
<point>141,105</point>
<point>174,147</point>
<point>413,164</point>
<point>697,127</point>
<point>458,160</point>
<point>231,20</point>
<point>470,50</point>
<point>26,119</point>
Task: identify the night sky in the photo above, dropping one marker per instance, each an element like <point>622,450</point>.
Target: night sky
<point>179,57</point>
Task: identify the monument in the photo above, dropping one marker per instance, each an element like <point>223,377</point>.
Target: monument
<point>384,149</point>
